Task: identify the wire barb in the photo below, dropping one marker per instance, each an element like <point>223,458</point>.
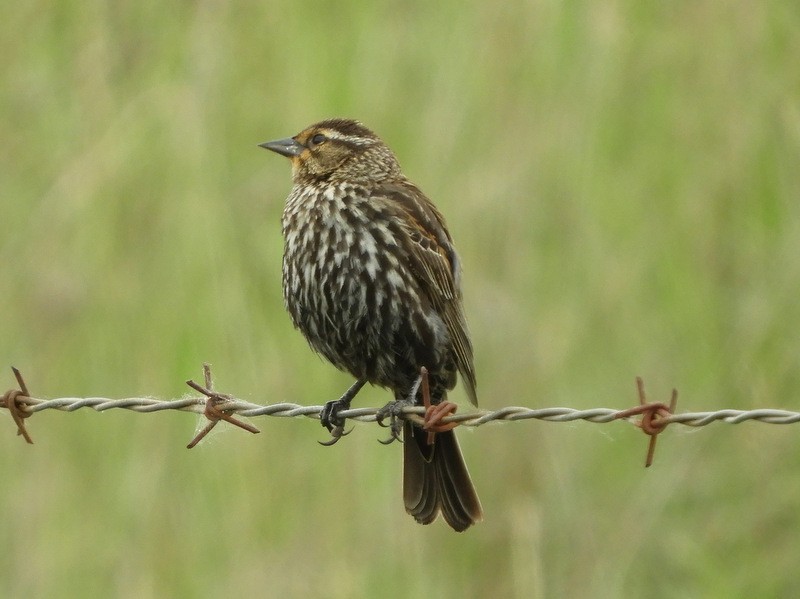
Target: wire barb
<point>655,417</point>
<point>17,409</point>
<point>435,414</point>
<point>212,410</point>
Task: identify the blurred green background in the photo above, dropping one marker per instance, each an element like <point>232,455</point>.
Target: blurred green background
<point>622,180</point>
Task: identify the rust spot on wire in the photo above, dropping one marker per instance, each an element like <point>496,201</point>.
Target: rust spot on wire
<point>654,417</point>
<point>213,412</point>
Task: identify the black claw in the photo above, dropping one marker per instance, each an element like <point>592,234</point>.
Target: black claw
<point>336,433</point>
<point>381,417</point>
<point>394,411</point>
<point>393,436</point>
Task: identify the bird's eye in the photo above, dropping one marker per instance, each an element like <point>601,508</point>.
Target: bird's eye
<point>318,139</point>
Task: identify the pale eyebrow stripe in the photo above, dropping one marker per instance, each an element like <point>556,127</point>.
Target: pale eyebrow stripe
<point>350,139</point>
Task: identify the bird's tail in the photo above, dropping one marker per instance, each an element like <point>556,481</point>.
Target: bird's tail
<point>435,478</point>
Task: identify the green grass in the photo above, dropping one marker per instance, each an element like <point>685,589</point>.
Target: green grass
<point>622,182</point>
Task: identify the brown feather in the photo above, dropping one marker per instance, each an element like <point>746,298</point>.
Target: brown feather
<point>437,263</point>
<point>435,478</point>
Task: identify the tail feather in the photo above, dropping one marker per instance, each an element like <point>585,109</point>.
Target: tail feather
<point>435,478</point>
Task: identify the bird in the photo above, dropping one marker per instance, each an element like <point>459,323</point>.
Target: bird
<point>372,279</point>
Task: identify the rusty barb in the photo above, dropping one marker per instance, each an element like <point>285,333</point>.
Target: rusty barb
<point>654,417</point>
<point>214,410</point>
<point>434,414</point>
<point>12,400</point>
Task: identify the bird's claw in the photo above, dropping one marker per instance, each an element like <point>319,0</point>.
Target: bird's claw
<point>337,432</point>
<point>394,435</point>
<point>394,411</point>
<point>330,419</point>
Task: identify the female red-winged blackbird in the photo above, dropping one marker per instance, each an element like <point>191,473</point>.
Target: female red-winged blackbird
<point>371,278</point>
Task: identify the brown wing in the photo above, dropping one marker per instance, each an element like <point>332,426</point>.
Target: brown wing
<point>437,262</point>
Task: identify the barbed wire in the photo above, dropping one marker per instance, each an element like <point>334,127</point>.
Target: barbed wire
<point>654,416</point>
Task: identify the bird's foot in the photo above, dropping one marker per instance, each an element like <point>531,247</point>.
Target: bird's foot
<point>394,412</point>
<point>329,415</point>
<point>394,409</point>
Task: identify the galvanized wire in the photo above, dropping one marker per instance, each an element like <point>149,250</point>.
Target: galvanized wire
<point>474,418</point>
<point>651,417</point>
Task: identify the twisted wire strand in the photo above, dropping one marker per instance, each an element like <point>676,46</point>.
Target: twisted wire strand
<point>475,418</point>
<point>651,417</point>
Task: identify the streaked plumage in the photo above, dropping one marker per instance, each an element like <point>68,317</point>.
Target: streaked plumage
<point>373,281</point>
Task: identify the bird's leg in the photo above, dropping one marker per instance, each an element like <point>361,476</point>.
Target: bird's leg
<point>394,409</point>
<point>329,416</point>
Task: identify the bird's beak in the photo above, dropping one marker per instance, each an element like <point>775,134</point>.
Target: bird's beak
<point>286,147</point>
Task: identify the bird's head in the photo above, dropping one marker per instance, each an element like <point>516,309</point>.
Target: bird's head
<point>337,149</point>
